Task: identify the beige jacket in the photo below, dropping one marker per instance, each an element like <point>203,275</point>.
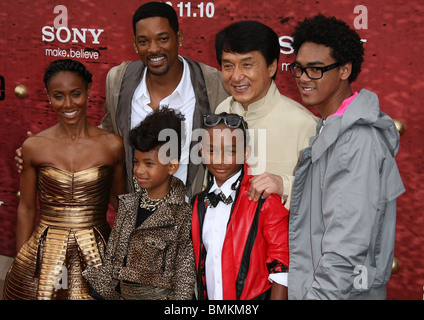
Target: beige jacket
<point>281,130</point>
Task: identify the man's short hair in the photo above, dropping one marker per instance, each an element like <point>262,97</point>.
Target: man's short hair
<point>145,137</point>
<point>156,9</point>
<point>344,42</point>
<point>247,36</point>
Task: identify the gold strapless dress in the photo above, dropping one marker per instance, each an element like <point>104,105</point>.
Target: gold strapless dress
<point>71,235</point>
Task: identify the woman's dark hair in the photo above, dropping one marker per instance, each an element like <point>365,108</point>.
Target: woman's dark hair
<point>344,42</point>
<point>247,36</point>
<point>145,137</point>
<point>156,9</point>
<point>67,65</point>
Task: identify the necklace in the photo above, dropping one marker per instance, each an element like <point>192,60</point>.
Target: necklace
<point>152,204</point>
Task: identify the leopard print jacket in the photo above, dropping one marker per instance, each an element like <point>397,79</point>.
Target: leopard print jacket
<point>156,254</point>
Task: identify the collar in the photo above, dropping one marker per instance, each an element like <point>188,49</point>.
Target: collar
<point>176,197</point>
<point>180,95</point>
<point>257,108</point>
<point>226,187</point>
<point>341,110</point>
<point>331,128</point>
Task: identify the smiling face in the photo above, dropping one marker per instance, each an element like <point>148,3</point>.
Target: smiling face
<point>68,94</point>
<point>152,174</point>
<point>223,151</point>
<point>325,94</point>
<point>247,76</point>
<point>157,44</point>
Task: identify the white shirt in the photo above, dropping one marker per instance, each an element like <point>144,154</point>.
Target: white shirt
<point>182,99</point>
<point>214,230</point>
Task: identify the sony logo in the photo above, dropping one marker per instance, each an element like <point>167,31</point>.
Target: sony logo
<point>63,34</point>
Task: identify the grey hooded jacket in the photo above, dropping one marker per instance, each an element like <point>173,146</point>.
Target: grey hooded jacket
<point>343,212</point>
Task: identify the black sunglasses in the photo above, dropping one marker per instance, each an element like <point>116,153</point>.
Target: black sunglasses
<point>230,120</point>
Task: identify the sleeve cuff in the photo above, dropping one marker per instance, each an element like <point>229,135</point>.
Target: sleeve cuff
<point>280,278</point>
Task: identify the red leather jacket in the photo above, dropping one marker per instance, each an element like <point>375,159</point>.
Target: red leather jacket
<point>256,244</point>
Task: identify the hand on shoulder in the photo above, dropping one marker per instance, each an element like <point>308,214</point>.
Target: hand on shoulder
<point>264,185</point>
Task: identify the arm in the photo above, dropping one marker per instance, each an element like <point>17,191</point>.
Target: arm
<point>278,292</point>
<point>113,88</point>
<point>275,231</point>
<point>118,184</point>
<point>27,208</point>
<point>265,184</point>
<point>18,156</point>
<point>107,120</point>
<point>281,184</point>
<point>185,272</point>
<point>100,278</point>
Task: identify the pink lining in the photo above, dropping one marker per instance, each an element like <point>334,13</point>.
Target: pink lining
<point>341,110</point>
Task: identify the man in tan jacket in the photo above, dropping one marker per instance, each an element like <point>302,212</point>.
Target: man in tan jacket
<point>248,53</point>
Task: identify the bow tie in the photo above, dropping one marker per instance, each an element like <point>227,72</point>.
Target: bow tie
<point>212,199</point>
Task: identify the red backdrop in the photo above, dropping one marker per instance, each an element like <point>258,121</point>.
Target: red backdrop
<point>99,33</point>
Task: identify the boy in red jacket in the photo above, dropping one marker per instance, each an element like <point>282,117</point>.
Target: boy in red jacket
<point>240,245</point>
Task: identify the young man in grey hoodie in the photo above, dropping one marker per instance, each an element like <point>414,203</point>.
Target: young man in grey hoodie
<point>343,211</point>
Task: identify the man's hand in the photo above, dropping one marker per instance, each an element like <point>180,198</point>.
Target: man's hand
<point>18,156</point>
<point>265,184</point>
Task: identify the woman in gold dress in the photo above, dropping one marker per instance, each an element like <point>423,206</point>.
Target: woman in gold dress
<point>76,169</point>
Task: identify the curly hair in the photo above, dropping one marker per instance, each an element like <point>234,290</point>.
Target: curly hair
<point>67,65</point>
<point>344,42</point>
<point>145,137</point>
